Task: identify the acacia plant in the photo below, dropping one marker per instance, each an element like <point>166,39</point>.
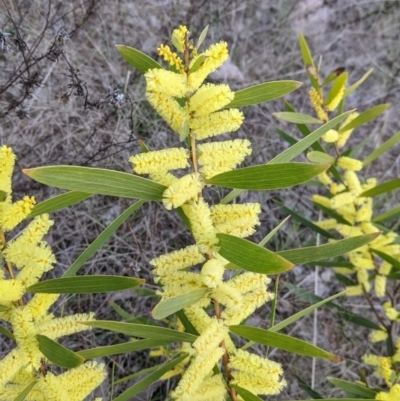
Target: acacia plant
<point>213,285</point>
<point>369,271</point>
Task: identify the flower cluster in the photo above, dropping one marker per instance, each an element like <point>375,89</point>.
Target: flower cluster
<point>26,258</point>
<point>198,110</point>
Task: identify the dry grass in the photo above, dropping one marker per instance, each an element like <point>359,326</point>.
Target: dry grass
<point>90,130</point>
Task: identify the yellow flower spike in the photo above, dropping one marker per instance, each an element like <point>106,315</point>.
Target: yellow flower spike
<point>201,224</point>
<point>325,179</point>
<point>348,163</point>
<point>330,136</point>
<point>328,224</point>
<point>40,304</point>
<point>165,159</point>
<point>392,395</point>
<point>210,338</point>
<point>317,104</point>
<point>213,388</point>
<point>217,123</point>
<point>11,214</point>
<point>362,276</point>
<point>364,213</point>
<point>167,83</point>
<point>35,231</point>
<point>184,190</point>
<point>336,188</point>
<point>380,285</point>
<point>171,58</point>
<point>9,367</point>
<point>342,199</point>
<point>322,200</point>
<point>345,135</point>
<point>210,98</point>
<point>369,184</point>
<point>216,55</point>
<point>390,312</point>
<point>11,291</point>
<point>352,182</point>
<point>249,282</point>
<point>238,220</point>
<point>378,335</point>
<point>163,177</point>
<point>256,374</point>
<point>180,35</point>
<point>7,161</point>
<point>169,109</point>
<point>354,290</point>
<point>212,273</point>
<point>178,260</point>
<point>195,374</point>
<point>219,157</point>
<point>385,268</point>
<point>227,296</point>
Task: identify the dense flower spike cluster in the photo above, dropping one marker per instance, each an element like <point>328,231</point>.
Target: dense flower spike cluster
<point>196,110</point>
<point>31,257</point>
<point>355,217</point>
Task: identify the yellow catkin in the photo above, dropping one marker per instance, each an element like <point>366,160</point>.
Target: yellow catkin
<point>165,159</point>
<point>171,58</point>
<point>210,98</point>
<point>212,273</point>
<point>378,335</point>
<point>220,157</point>
<point>11,214</point>
<point>167,83</point>
<point>345,135</point>
<point>330,136</point>
<point>184,190</point>
<point>216,123</point>
<point>7,161</point>
<point>317,104</point>
<point>348,163</point>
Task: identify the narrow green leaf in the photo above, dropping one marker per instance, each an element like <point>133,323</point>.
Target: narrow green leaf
<point>282,341</point>
<point>305,387</point>
<point>320,157</point>
<point>101,239</point>
<point>143,146</point>
<point>383,188</point>
<point>6,333</point>
<point>169,306</point>
<point>137,59</point>
<point>353,87</point>
<point>297,149</point>
<point>97,181</point>
<point>185,130</point>
<point>390,214</point>
<point>123,348</point>
<point>250,256</point>
<point>143,331</point>
<point>301,146</point>
<point>391,260</point>
<point>349,316</point>
<point>387,145</point>
<point>202,36</point>
<point>366,116</point>
<point>59,202</point>
<point>189,328</point>
<point>137,374</point>
<point>246,394</point>
<point>304,221</point>
<point>336,88</point>
<point>58,354</point>
<point>297,118</point>
<point>305,51</point>
<point>303,312</point>
<point>333,75</point>
<point>291,141</point>
<point>85,285</point>
<point>264,92</point>
<point>197,64</point>
<point>273,232</point>
<point>353,388</point>
<point>148,380</point>
<point>22,395</point>
<point>268,176</point>
<point>121,311</point>
<point>331,250</point>
<point>176,42</point>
